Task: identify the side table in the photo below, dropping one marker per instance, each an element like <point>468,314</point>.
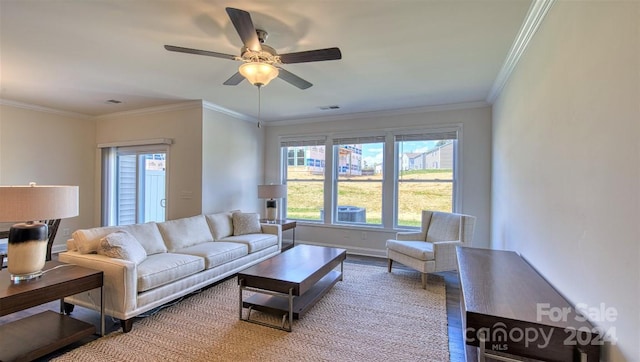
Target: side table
<point>37,335</point>
<point>285,225</point>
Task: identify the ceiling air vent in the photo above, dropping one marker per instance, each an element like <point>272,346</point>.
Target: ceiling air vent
<point>327,108</point>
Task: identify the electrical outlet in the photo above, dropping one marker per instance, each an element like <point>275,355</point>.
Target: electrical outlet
<point>363,235</point>
<point>66,232</point>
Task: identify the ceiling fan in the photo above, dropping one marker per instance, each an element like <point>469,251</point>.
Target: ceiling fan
<point>261,62</point>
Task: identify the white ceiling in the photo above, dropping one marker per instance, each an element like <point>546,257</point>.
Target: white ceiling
<point>74,55</point>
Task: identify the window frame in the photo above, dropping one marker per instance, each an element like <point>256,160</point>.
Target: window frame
<point>348,141</point>
<point>449,133</point>
<point>390,173</point>
<point>285,145</point>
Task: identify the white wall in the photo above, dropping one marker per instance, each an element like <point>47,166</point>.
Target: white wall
<point>232,163</point>
<point>181,123</point>
<point>566,161</point>
<point>49,148</point>
<point>475,162</point>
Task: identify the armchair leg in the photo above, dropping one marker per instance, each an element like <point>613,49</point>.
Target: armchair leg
<point>424,280</point>
<point>390,262</point>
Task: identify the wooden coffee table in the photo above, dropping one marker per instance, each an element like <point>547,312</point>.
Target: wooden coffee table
<point>290,283</point>
<point>37,335</point>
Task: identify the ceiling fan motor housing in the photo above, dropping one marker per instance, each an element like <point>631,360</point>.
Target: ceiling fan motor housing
<point>266,55</point>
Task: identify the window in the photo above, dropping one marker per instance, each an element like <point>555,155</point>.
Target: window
<point>304,174</point>
<point>425,175</point>
<point>359,166</point>
<point>382,180</point>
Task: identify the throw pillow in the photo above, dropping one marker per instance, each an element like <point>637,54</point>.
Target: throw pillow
<point>122,245</point>
<point>221,225</point>
<point>246,223</point>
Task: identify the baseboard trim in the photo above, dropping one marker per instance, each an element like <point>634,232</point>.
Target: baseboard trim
<point>350,250</point>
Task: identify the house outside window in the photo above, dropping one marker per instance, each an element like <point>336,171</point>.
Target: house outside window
<point>426,175</point>
<point>304,175</point>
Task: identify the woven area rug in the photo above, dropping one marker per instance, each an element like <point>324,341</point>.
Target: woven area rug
<point>371,315</point>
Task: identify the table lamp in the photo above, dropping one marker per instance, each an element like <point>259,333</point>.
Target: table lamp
<point>28,206</point>
<point>272,192</point>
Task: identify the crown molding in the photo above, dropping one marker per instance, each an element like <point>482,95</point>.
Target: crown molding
<point>382,113</point>
<point>151,110</point>
<point>216,108</point>
<point>33,107</point>
<point>534,18</point>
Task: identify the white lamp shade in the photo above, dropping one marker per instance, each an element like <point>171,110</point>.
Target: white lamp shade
<point>272,191</point>
<point>258,73</point>
<point>35,203</point>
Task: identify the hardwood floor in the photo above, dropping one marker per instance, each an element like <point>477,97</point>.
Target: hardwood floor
<point>456,346</point>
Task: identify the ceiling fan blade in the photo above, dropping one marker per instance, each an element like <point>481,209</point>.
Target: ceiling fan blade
<point>235,79</point>
<point>293,79</point>
<point>311,56</point>
<point>199,52</point>
<point>244,26</point>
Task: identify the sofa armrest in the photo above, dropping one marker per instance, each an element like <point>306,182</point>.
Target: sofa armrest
<point>120,282</point>
<point>273,229</point>
<point>410,236</point>
<point>445,255</point>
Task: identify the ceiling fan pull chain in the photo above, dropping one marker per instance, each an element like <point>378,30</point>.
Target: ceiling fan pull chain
<point>259,102</point>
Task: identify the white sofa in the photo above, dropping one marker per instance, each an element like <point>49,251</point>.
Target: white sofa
<point>148,265</point>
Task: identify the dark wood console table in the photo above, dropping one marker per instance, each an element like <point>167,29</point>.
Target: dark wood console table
<point>37,335</point>
<point>508,310</point>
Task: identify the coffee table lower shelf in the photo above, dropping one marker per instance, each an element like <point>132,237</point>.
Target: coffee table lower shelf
<point>37,335</point>
<point>301,304</point>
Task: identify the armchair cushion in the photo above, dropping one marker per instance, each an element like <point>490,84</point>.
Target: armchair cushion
<point>416,249</point>
<point>443,226</point>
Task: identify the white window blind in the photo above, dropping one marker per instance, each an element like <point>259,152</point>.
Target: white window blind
<point>303,141</point>
<point>358,140</point>
<point>428,136</point>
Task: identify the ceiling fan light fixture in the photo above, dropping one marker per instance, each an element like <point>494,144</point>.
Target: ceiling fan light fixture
<point>257,73</point>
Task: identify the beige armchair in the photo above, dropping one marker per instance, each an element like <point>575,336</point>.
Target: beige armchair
<point>433,248</point>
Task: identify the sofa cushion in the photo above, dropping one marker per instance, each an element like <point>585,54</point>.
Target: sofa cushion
<point>88,240</point>
<point>181,233</point>
<point>444,227</point>
<point>217,252</point>
<point>163,268</point>
<point>246,223</point>
<point>122,245</point>
<point>416,249</point>
<point>148,236</point>
<point>255,242</point>
<point>221,224</point>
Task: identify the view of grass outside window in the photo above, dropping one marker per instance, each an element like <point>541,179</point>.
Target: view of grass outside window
<point>359,170</point>
<point>425,177</point>
<point>423,167</point>
<point>305,172</point>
